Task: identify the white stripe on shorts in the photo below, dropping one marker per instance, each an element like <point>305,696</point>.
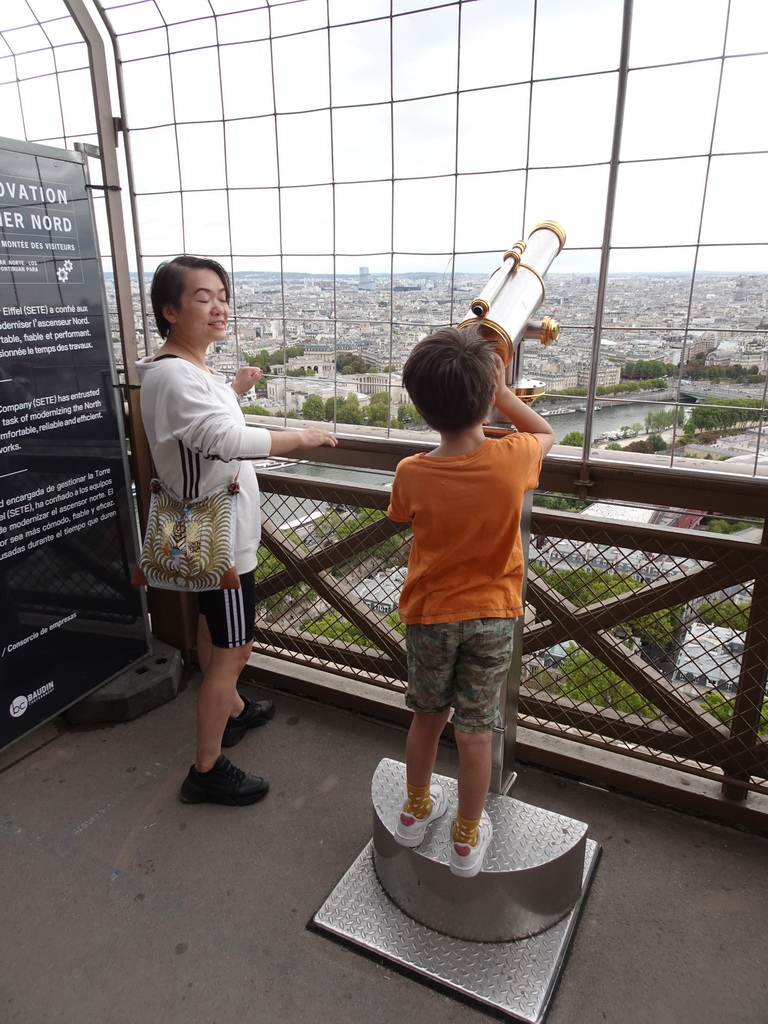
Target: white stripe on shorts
<point>235,615</point>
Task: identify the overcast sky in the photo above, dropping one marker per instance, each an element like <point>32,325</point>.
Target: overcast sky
<point>410,135</point>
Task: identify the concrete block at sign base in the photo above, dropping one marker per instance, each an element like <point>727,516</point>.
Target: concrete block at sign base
<point>140,689</point>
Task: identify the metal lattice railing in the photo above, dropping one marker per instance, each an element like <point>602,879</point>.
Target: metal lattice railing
<point>330,570</point>
<point>644,639</point>
<point>639,638</point>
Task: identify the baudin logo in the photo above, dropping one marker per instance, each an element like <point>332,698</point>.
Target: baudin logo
<point>20,704</point>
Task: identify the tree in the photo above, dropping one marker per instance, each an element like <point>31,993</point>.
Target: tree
<point>277,604</point>
<point>377,413</point>
<point>561,503</point>
<point>407,415</point>
<point>585,586</point>
<point>646,369</point>
<point>713,414</point>
<point>728,525</point>
<point>348,362</point>
<point>257,358</point>
<point>394,621</point>
<point>348,410</point>
<point>724,613</point>
<point>571,392</point>
<point>255,410</point>
<point>663,419</point>
<point>380,398</point>
<point>722,708</point>
<point>313,408</point>
<point>585,679</point>
<point>332,626</point>
<point>265,358</point>
<point>573,439</point>
<point>377,416</point>
<point>639,446</point>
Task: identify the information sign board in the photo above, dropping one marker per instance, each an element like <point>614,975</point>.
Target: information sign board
<point>70,618</point>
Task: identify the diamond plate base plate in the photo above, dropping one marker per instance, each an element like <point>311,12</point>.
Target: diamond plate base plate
<point>514,979</point>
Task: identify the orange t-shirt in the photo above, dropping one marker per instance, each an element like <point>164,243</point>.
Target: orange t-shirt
<point>466,558</point>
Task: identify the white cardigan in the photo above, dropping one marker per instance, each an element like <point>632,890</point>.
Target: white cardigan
<point>199,440</point>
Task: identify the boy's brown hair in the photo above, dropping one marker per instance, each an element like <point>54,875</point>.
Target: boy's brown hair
<point>450,377</point>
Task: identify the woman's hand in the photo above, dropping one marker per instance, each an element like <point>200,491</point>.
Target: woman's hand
<point>314,437</point>
<point>285,441</point>
<point>245,378</point>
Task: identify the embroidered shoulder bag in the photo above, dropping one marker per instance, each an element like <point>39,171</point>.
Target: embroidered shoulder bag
<point>189,543</point>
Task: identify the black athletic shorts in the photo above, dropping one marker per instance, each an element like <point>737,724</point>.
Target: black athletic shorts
<point>230,614</point>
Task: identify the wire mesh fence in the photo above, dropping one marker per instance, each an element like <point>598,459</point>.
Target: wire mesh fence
<point>646,638</point>
<point>649,636</point>
<point>330,570</point>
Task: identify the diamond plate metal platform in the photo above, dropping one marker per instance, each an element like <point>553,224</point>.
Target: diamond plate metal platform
<point>531,874</point>
<point>514,978</point>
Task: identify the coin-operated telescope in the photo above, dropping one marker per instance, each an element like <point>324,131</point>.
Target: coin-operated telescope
<point>514,292</point>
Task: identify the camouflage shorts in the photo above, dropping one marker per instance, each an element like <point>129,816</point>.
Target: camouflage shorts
<point>461,665</point>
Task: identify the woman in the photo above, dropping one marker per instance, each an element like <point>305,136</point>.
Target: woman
<point>199,440</point>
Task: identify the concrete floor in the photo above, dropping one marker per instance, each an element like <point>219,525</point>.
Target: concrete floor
<point>122,905</point>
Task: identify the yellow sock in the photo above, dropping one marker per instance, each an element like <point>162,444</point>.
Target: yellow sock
<point>418,801</point>
<point>465,831</point>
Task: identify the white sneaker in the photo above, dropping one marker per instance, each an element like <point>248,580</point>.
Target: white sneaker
<point>410,831</point>
<point>467,860</point>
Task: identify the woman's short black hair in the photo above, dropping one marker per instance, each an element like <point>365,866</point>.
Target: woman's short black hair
<point>450,377</point>
<point>168,284</point>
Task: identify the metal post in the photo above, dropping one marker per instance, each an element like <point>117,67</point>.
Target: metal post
<point>610,205</point>
<point>174,616</point>
<point>748,705</point>
<point>503,772</point>
<point>107,127</point>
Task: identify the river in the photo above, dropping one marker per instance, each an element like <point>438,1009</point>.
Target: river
<point>608,417</point>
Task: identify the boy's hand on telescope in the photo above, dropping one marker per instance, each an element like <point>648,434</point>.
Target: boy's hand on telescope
<point>501,379</point>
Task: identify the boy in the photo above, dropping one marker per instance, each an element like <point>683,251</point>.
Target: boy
<point>465,571</point>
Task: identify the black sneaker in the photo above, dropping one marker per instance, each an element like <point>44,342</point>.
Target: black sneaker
<point>254,713</point>
<point>223,784</point>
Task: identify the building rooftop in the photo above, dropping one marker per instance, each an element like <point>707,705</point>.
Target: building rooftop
<point>613,510</point>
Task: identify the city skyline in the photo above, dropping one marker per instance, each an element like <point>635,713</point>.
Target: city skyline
<point>418,138</point>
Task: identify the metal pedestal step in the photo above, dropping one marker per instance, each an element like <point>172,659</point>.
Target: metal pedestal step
<point>498,939</point>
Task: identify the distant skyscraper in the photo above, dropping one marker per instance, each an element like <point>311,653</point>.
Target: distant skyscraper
<point>365,279</point>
